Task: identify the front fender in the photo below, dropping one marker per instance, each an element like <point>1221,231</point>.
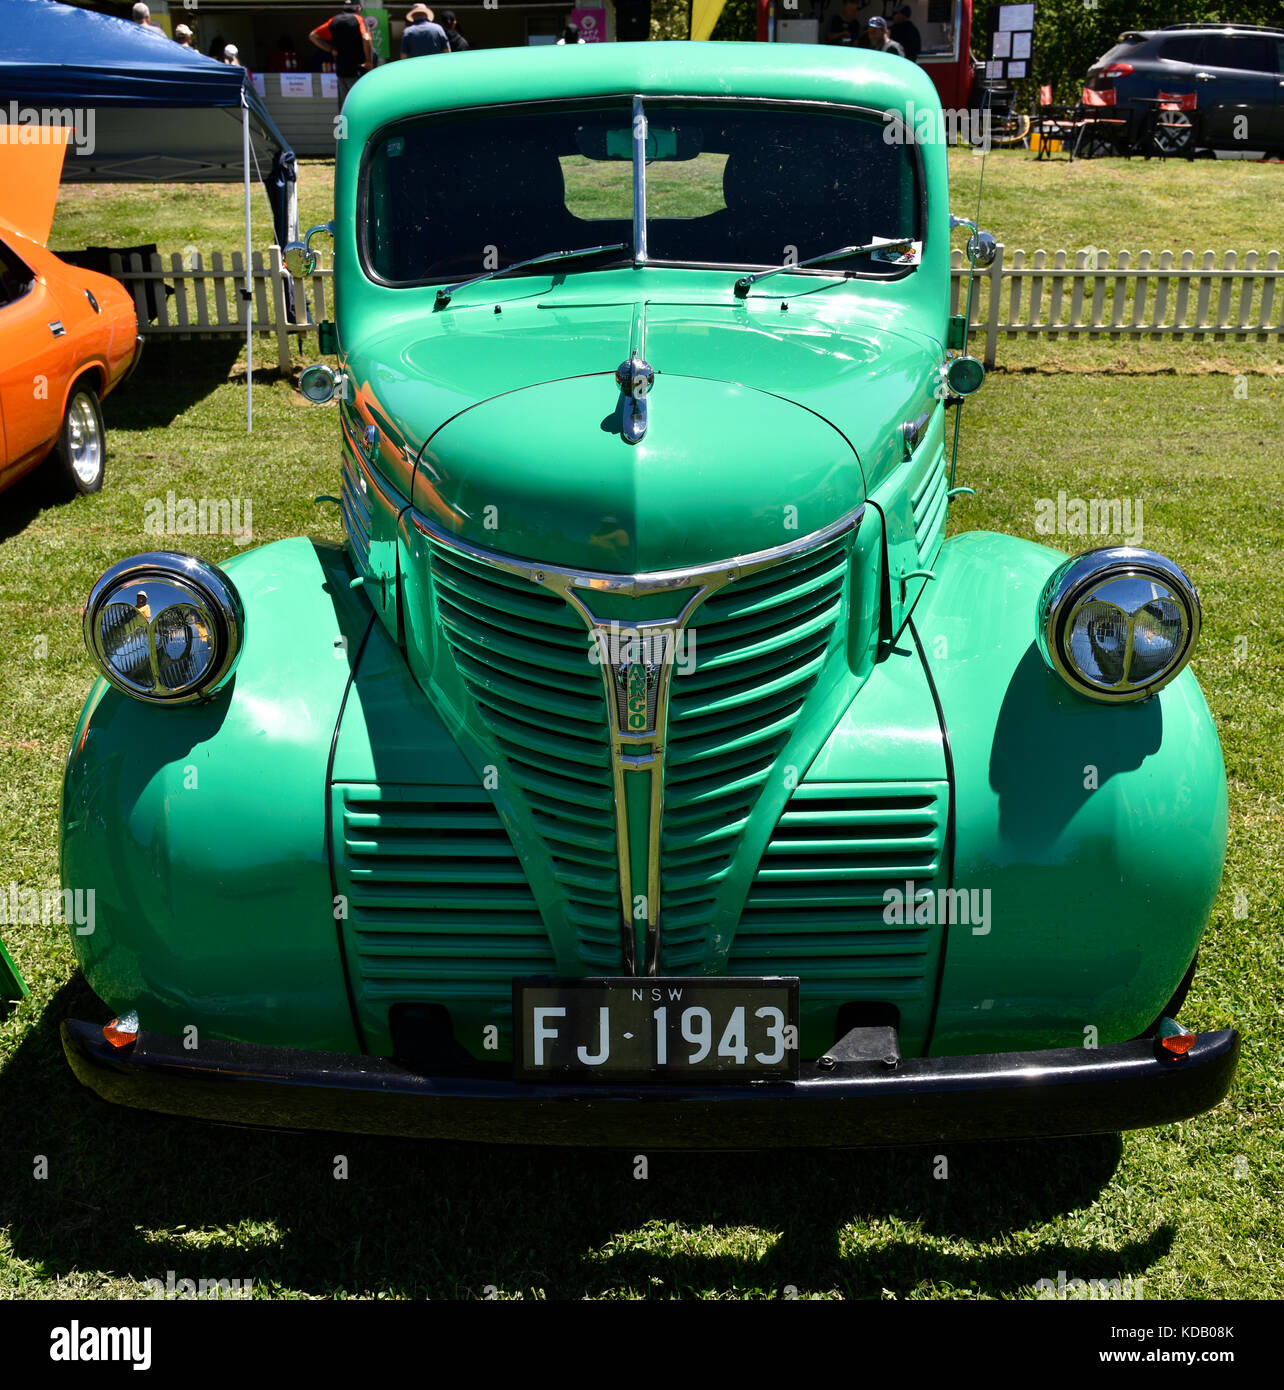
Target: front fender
<point>1099,831</point>
<point>202,829</point>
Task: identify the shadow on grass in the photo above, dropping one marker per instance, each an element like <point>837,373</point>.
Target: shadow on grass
<point>171,378</point>
<point>21,503</point>
<point>134,1195</point>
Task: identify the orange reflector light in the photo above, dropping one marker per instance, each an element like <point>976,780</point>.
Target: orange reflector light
<point>1174,1037</point>
<point>120,1032</point>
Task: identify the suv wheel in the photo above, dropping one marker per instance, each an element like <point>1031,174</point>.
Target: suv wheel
<point>1173,137</point>
<point>80,454</point>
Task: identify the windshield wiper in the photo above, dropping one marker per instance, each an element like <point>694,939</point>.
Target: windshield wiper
<point>747,282</point>
<point>444,294</point>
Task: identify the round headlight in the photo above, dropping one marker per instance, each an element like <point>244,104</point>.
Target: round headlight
<point>1118,623</point>
<point>165,628</point>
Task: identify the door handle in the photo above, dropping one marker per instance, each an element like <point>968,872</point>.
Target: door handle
<point>1205,77</point>
<point>56,328</point>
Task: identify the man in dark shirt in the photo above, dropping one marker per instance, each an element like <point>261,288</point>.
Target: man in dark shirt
<point>346,37</point>
<point>422,36</point>
<point>450,24</point>
<point>847,28</point>
<point>905,32</point>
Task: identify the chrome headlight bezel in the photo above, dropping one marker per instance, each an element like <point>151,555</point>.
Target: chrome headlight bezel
<point>1077,581</point>
<point>173,578</point>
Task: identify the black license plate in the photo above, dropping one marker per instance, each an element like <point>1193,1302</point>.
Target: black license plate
<point>702,1028</point>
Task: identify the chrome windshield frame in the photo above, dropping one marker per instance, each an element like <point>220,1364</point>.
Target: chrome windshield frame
<point>639,182</point>
<point>640,250</point>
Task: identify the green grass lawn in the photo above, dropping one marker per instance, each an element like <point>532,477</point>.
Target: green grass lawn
<point>1191,1209</point>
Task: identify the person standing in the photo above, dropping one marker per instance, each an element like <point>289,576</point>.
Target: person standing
<point>905,32</point>
<point>570,34</point>
<point>458,44</point>
<point>422,36</point>
<point>183,37</point>
<point>882,39</point>
<point>847,28</point>
<point>143,16</point>
<point>346,37</point>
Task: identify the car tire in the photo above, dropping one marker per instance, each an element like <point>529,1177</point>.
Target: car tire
<point>1173,139</point>
<point>79,457</point>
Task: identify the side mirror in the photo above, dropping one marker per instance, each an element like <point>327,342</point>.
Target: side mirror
<point>299,257</point>
<point>321,383</point>
<point>981,246</point>
<point>299,261</point>
<point>982,249</point>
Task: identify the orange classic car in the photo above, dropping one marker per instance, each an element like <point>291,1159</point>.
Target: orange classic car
<point>67,337</point>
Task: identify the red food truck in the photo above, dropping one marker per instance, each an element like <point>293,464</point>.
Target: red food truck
<point>944,29</point>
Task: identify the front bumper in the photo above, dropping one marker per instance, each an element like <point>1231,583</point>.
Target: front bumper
<point>1005,1095</point>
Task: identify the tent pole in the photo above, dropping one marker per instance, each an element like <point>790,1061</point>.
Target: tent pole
<point>249,272</point>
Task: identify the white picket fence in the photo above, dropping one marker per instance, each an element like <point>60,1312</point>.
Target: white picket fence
<point>209,300</point>
<point>1049,296</point>
<point>1040,295</point>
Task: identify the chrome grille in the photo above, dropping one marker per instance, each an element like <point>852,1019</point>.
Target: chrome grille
<point>760,645</point>
<point>523,655</point>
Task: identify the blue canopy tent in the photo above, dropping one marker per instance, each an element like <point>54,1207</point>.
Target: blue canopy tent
<point>141,108</point>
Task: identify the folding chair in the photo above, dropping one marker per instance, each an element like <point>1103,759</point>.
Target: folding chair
<point>1089,118</point>
<point>1053,122</point>
<point>1174,125</point>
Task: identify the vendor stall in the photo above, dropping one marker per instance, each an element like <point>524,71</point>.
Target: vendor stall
<point>295,79</point>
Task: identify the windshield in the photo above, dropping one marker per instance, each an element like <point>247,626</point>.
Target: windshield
<point>736,184</point>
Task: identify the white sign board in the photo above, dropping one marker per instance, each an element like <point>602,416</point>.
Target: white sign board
<point>1016,16</point>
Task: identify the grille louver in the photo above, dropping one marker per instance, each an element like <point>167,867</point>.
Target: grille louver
<point>438,905</point>
<point>760,645</point>
<point>930,504</point>
<point>523,655</point>
<point>816,905</point>
<point>355,506</point>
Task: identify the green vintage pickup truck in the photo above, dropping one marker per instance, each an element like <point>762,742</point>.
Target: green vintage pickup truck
<point>647,768</point>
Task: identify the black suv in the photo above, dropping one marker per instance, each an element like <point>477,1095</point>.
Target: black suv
<point>1235,71</point>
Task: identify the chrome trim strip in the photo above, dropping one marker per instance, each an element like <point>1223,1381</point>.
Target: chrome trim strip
<point>639,182</point>
<point>557,577</point>
<point>640,751</point>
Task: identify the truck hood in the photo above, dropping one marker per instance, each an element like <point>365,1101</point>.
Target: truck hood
<point>759,421</point>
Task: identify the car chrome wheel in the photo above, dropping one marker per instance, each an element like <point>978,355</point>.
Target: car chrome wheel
<point>80,453</point>
<point>84,438</point>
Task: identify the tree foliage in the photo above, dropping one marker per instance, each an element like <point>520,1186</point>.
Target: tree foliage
<point>738,21</point>
<point>670,19</point>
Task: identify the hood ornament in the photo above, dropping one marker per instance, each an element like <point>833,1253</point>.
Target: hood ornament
<point>635,379</point>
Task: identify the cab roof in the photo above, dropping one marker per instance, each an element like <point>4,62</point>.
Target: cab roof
<point>787,72</point>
